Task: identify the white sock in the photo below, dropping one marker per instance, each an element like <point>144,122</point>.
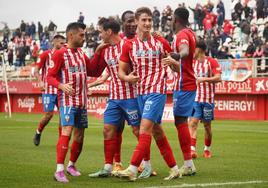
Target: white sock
<point>60,167</point>
<point>146,163</point>
<point>176,168</point>
<point>108,167</point>
<point>193,148</point>
<point>188,163</point>
<point>70,163</point>
<point>133,169</point>
<point>207,148</point>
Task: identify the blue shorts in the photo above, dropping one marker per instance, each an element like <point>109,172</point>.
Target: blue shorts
<point>117,111</point>
<point>183,103</point>
<point>49,102</point>
<point>71,116</point>
<point>152,106</point>
<point>203,111</point>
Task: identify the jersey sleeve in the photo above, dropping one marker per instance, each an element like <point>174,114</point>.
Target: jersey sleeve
<point>42,59</point>
<point>215,66</point>
<point>55,65</point>
<point>96,65</point>
<point>182,38</point>
<point>124,57</point>
<point>166,45</point>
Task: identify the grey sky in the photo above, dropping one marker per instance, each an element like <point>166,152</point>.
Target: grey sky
<point>61,12</point>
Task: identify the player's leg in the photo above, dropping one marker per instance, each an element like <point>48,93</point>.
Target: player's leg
<point>166,151</point>
<point>144,143</point>
<point>183,107</point>
<point>67,115</point>
<point>117,156</point>
<point>208,116</point>
<point>49,101</point>
<point>81,123</point>
<point>193,125</point>
<point>112,119</point>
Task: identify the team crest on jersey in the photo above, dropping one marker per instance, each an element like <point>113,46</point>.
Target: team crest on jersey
<point>111,62</point>
<point>51,64</point>
<point>67,118</point>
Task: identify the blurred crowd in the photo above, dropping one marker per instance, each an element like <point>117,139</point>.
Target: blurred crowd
<point>244,35</point>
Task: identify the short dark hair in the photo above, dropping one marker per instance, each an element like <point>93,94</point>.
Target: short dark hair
<point>109,23</point>
<point>125,13</point>
<point>58,36</point>
<point>201,44</point>
<point>143,10</point>
<point>182,15</point>
<point>75,26</point>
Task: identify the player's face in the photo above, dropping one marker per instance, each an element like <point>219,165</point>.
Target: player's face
<point>78,38</point>
<point>144,23</point>
<point>129,24</point>
<point>58,43</point>
<point>104,35</point>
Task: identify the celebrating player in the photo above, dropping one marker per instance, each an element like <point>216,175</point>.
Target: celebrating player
<point>68,72</point>
<point>49,93</point>
<point>140,63</point>
<point>208,72</point>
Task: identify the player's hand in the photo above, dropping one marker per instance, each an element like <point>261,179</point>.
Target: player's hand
<point>157,34</point>
<point>42,86</point>
<point>67,88</point>
<point>132,77</point>
<point>101,47</point>
<point>200,80</point>
<point>168,61</point>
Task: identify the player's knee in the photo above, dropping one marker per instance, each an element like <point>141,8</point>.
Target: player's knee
<point>108,132</point>
<point>158,132</point>
<point>49,115</point>
<point>135,131</point>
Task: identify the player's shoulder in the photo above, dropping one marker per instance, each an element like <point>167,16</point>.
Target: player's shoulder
<point>211,59</point>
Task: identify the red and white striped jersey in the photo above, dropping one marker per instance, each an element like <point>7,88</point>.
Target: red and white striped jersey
<point>118,89</point>
<point>43,65</point>
<point>185,79</point>
<point>70,65</point>
<point>145,58</point>
<point>208,68</point>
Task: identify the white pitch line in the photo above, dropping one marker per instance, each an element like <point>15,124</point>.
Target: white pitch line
<point>210,184</point>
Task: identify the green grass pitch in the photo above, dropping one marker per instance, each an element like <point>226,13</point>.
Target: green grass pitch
<point>240,154</point>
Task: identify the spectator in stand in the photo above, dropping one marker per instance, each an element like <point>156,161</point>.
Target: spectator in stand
<point>220,18</point>
<point>228,29</point>
<point>250,50</point>
<point>238,10</point>
<point>52,28</point>
<point>197,15</point>
<point>156,19</point>
<point>213,44</point>
<point>259,52</point>
<point>248,12</point>
<point>35,52</point>
<point>27,29</point>
<point>6,32</point>
<point>81,18</point>
<point>22,27</point>
<point>44,44</point>
<point>21,53</point>
<point>265,32</point>
<point>209,6</point>
<point>10,51</point>
<point>220,7</point>
<point>32,30</point>
<point>260,8</point>
<point>163,21</point>
<point>224,53</point>
<point>207,22</point>
<point>245,30</point>
<point>40,30</point>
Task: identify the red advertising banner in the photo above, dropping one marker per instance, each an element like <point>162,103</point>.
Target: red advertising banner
<point>250,86</point>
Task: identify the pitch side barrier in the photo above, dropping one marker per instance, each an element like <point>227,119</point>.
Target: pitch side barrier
<point>242,95</point>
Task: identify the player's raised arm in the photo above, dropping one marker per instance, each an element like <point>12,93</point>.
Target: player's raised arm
<point>96,65</point>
